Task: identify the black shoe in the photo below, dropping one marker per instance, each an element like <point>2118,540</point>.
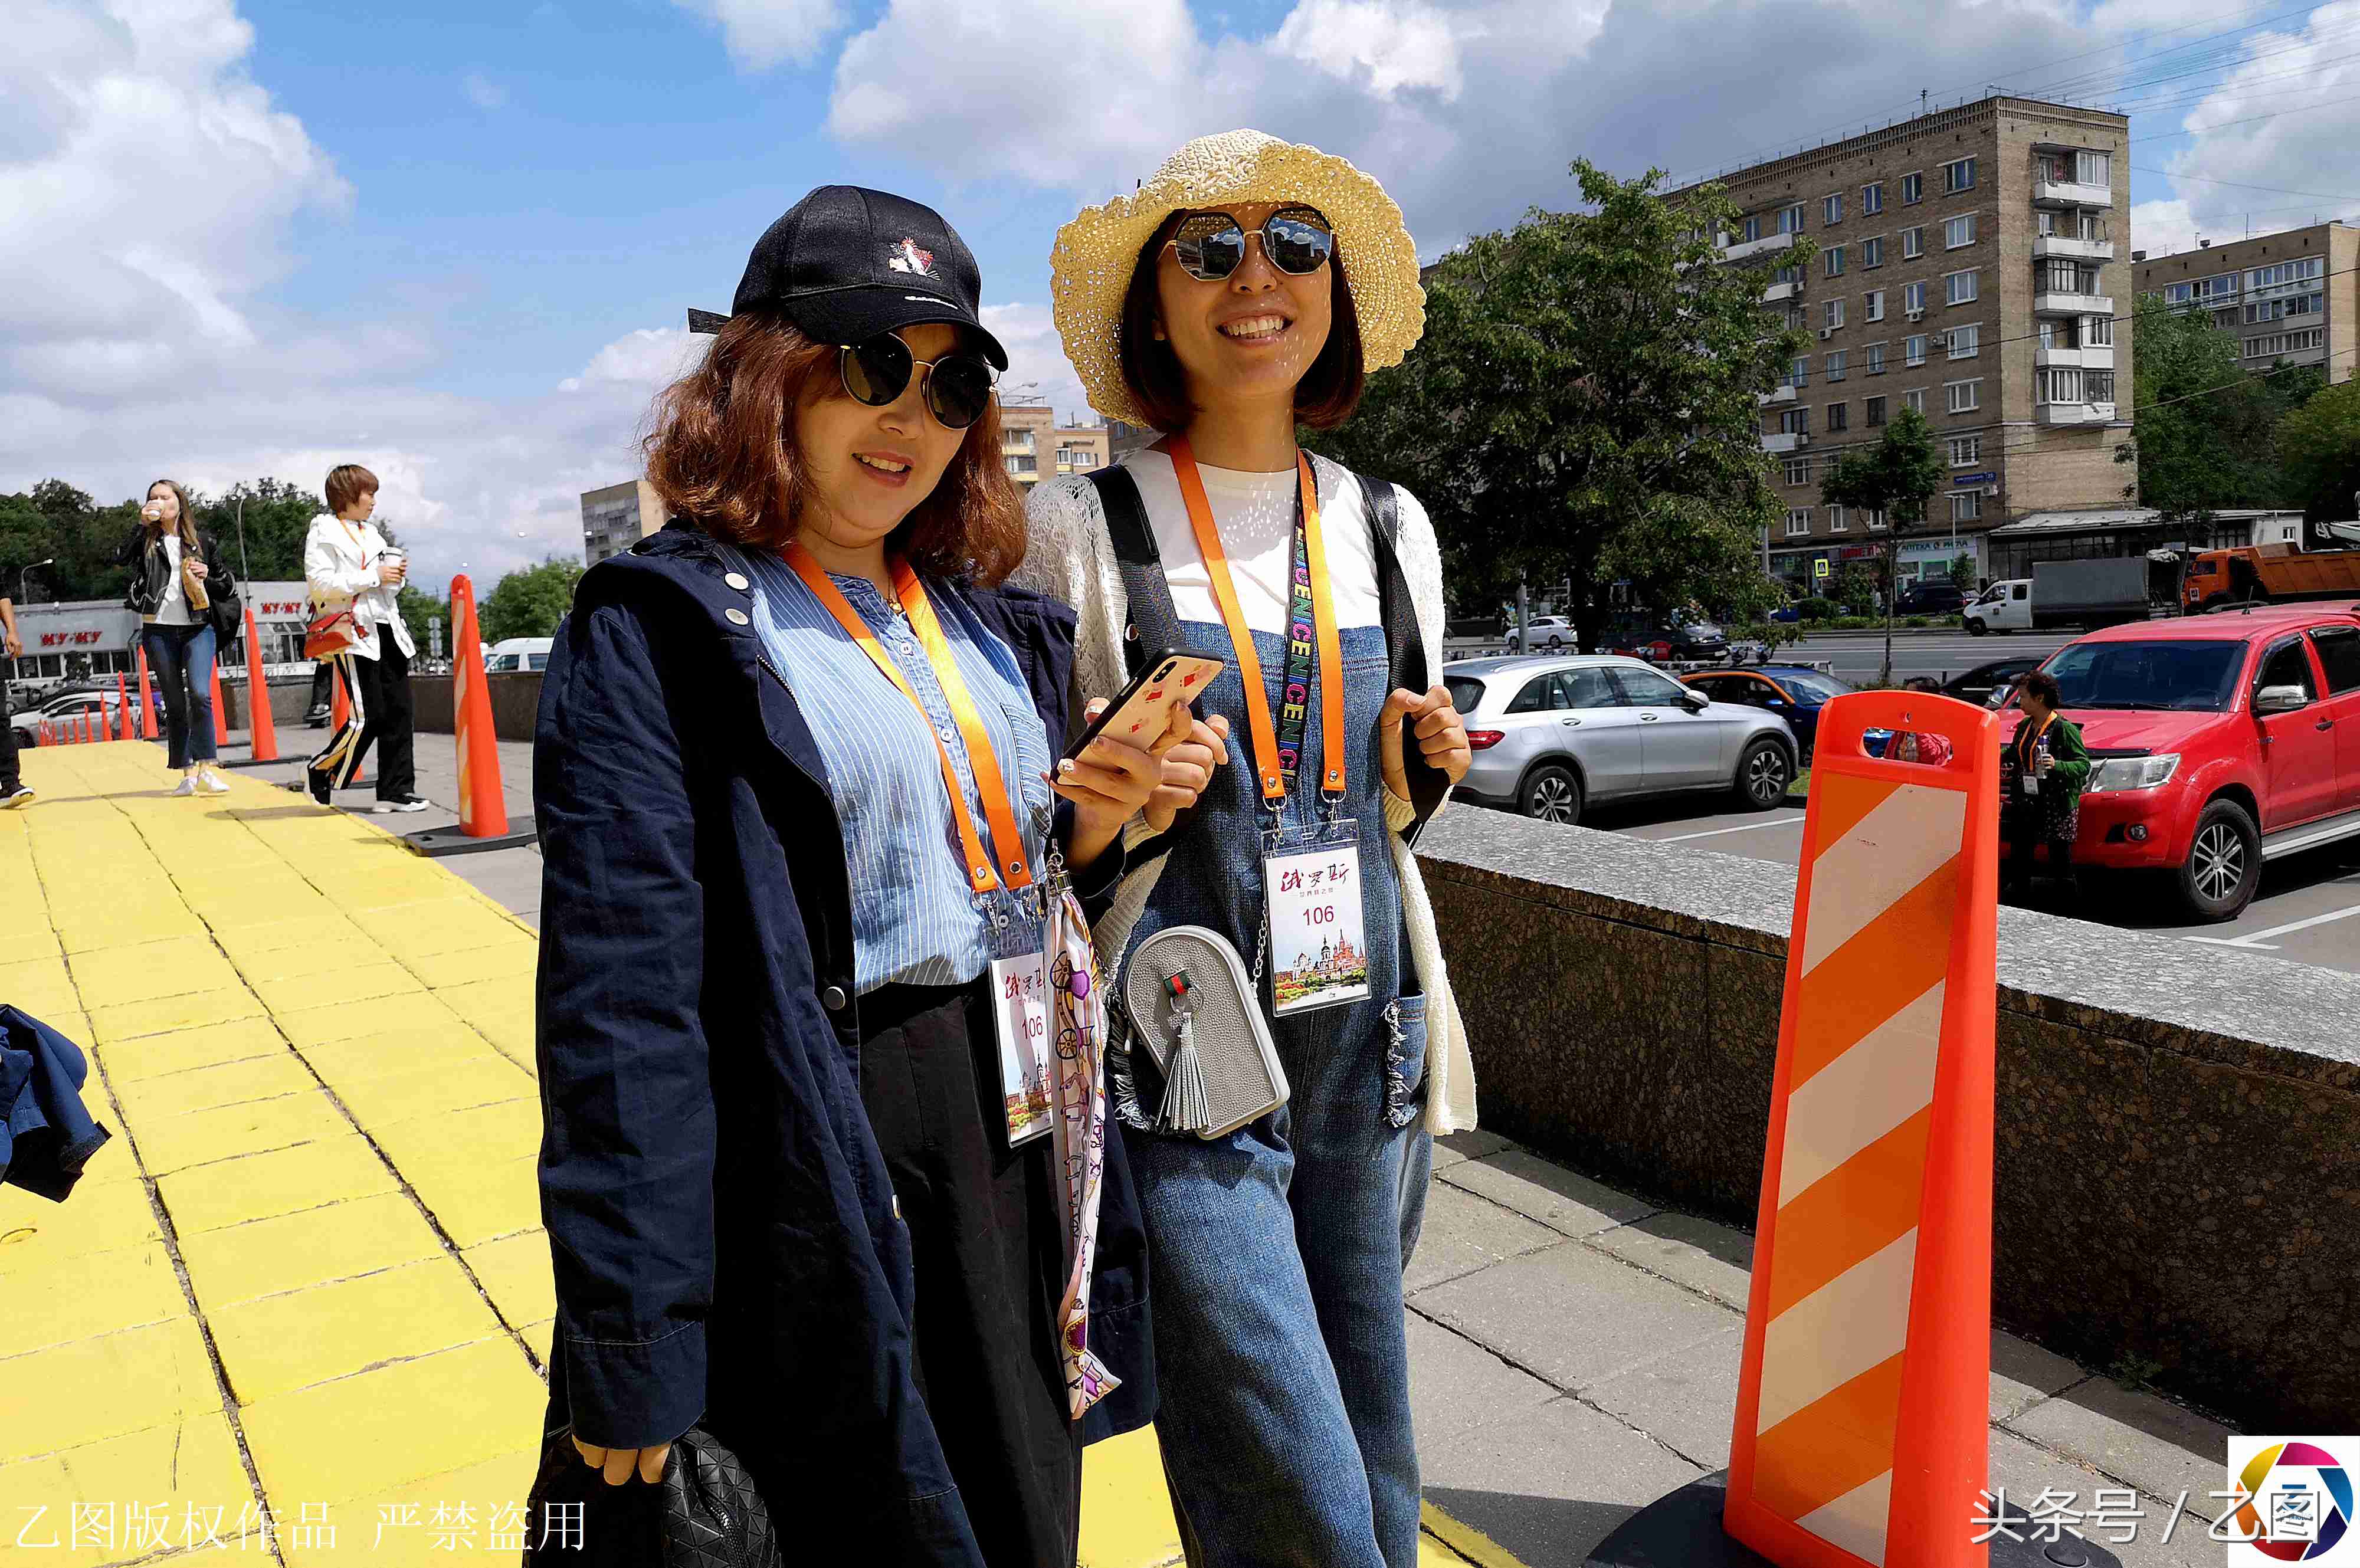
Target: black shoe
<point>318,779</point>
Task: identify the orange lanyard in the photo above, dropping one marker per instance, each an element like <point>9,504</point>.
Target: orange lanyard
<point>988,781</point>
<point>2024,748</point>
<point>1323,622</point>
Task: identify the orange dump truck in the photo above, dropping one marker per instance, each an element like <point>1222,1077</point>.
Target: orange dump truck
<point>2269,572</point>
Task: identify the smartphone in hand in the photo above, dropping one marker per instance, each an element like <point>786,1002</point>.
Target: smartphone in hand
<point>1137,713</point>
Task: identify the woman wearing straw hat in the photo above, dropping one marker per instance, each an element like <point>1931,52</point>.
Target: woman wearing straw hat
<point>1249,288</point>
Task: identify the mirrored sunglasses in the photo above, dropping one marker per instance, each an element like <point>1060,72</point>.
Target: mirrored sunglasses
<point>1211,245</point>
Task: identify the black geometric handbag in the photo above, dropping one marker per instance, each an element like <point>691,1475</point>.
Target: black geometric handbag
<point>704,1513</point>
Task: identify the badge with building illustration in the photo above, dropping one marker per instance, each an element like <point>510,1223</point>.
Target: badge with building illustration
<point>1318,941</point>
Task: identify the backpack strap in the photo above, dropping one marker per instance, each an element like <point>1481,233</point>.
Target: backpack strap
<point>1404,649</point>
<point>1155,620</point>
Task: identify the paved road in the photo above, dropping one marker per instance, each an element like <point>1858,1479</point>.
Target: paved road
<point>1940,654</point>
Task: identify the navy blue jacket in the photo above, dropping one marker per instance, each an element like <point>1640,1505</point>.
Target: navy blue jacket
<point>721,1224</point>
<point>46,1134</point>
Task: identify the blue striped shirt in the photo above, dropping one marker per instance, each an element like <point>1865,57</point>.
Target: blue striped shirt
<point>913,919</point>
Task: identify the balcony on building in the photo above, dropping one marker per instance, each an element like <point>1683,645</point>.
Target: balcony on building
<point>2291,356</point>
<point>1746,250</point>
<point>2073,248</point>
<point>1783,394</point>
<point>1786,441</point>
<point>1777,291</point>
<point>2047,303</point>
<point>2071,193</point>
<point>2046,358</point>
<point>2071,414</point>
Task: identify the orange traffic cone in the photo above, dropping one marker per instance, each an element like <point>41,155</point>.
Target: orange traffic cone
<point>221,714</point>
<point>482,810</point>
<point>340,710</point>
<point>122,706</point>
<point>147,700</point>
<point>261,733</point>
<point>47,737</point>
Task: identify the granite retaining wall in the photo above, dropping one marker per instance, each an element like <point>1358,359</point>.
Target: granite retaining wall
<point>2178,1127</point>
<point>516,699</point>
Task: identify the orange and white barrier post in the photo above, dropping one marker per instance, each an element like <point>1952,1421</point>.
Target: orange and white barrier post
<point>221,714</point>
<point>262,731</point>
<point>483,807</point>
<point>1861,1432</point>
<point>146,699</point>
<point>123,730</point>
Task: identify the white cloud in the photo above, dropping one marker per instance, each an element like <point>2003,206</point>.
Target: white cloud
<point>484,92</point>
<point>1393,46</point>
<point>1037,366</point>
<point>648,360</point>
<point>760,33</point>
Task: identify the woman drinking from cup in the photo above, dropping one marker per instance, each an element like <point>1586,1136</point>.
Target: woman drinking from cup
<point>185,595</point>
<point>353,569</point>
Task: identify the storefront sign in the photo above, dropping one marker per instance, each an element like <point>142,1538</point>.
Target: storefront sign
<point>1974,479</point>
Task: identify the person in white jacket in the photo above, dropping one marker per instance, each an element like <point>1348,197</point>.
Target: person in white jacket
<point>349,565</point>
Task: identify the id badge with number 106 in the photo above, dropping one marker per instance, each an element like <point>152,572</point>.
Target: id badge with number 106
<point>1019,1016</point>
<point>1318,928</point>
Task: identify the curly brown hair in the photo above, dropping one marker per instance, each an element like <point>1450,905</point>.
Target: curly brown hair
<point>721,453</point>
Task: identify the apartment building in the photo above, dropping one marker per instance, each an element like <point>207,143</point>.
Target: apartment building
<point>2290,297</point>
<point>1964,267</point>
<point>619,516</point>
<point>1035,447</point>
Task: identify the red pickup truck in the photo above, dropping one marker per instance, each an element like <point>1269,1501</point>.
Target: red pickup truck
<point>2220,742</point>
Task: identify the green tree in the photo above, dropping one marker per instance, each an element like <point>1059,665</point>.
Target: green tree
<point>1962,572</point>
<point>2319,444</point>
<point>530,602</point>
<point>2206,425</point>
<point>1900,476</point>
<point>418,606</point>
<point>275,519</point>
<point>1583,404</point>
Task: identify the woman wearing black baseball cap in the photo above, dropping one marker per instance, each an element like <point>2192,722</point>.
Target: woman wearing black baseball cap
<point>792,777</point>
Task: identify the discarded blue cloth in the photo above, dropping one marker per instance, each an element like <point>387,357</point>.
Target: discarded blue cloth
<point>46,1134</point>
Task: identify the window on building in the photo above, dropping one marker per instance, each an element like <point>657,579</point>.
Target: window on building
<point>1961,288</point>
<point>1872,200</point>
<point>1875,305</point>
<point>1872,251</point>
<point>1966,451</point>
<point>1958,175</point>
<point>2178,293</point>
<point>1959,231</point>
<point>2215,290</point>
<point>1965,396</point>
<point>1966,506</point>
<point>1832,208</point>
<point>1751,230</point>
<point>1795,421</point>
<point>2098,386</point>
<point>1798,471</point>
<point>1873,517</point>
<point>2098,331</point>
<point>1794,318</point>
<point>1913,349</point>
<point>1966,342</point>
<point>1914,399</point>
<point>1836,524</point>
<point>1913,189</point>
<point>1799,521</point>
<point>2093,168</point>
<point>1872,360</point>
<point>1788,274</point>
<point>1836,366</point>
<point>2275,344</point>
<point>1078,457</point>
<point>1835,261</point>
<point>1913,242</point>
<point>1838,416</point>
<point>1913,297</point>
<point>1024,464</point>
<point>1790,219</point>
<point>2059,384</point>
<point>1799,373</point>
<point>1833,314</point>
<point>1016,441</point>
<point>1875,414</point>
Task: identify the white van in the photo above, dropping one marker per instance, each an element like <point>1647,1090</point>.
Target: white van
<point>2004,607</point>
<point>511,654</point>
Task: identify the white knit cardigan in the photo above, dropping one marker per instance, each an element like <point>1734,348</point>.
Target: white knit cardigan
<point>1069,557</point>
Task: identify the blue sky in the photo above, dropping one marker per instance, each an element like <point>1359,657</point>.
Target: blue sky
<point>456,240</point>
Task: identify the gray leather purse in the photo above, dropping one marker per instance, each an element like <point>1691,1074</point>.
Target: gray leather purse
<point>1187,995</point>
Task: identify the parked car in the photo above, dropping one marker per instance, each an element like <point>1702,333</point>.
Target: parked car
<point>1931,599</point>
<point>511,654</point>
<point>1551,735</point>
<point>1795,694</point>
<point>59,707</point>
<point>1553,633</point>
<point>1488,628</point>
<point>1990,684</point>
<point>1665,639</point>
<point>2002,607</point>
<point>2220,743</point>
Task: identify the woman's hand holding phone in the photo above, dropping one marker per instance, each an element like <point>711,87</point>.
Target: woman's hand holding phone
<point>1113,780</point>
<point>618,1464</point>
<point>1187,770</point>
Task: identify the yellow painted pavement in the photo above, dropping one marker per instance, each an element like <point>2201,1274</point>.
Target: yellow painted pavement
<point>306,1282</point>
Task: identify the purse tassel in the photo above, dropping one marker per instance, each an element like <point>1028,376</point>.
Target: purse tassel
<point>1186,1107</point>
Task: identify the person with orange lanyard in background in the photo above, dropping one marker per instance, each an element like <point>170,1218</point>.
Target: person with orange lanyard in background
<point>2042,775</point>
<point>793,779</point>
<point>1247,288</point>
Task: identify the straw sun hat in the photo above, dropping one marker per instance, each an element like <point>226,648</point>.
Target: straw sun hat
<point>1092,262</point>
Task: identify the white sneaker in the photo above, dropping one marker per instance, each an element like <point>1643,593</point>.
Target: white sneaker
<point>407,803</point>
<point>187,785</point>
<point>211,782</point>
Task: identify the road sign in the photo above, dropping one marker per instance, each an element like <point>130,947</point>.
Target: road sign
<point>1820,567</point>
<point>434,637</point>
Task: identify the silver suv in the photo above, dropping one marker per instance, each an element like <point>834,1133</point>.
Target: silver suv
<point>1552,734</point>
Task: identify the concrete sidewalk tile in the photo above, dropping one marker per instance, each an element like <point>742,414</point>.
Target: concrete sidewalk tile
<point>1574,1316</point>
<point>274,1345</point>
<point>310,1246</point>
<point>128,926</point>
<point>450,923</point>
<point>226,1132</point>
<point>186,1050</point>
<point>167,968</point>
<point>283,1181</point>
<point>45,972</point>
<point>282,963</point>
<point>1464,1233</point>
<point>1127,1519</point>
<point>35,1234</point>
<point>465,1515</point>
<point>188,1462</point>
<point>2022,1374</point>
<point>2151,1443</point>
<point>537,1336</point>
<point>92,1388</point>
<point>379,1100</point>
<point>366,1434</point>
<point>68,1299</point>
<point>515,1271</point>
<point>333,935</point>
<point>389,1052</point>
<point>489,998</point>
<point>480,1206</point>
<point>1700,1254</point>
<point>333,1021</point>
<point>351,986</point>
<point>379,889</point>
<point>38,943</point>
<point>1571,1204</point>
<point>514,1035</point>
<point>1686,1400</point>
<point>152,1099</point>
<point>131,1020</point>
<point>485,1135</point>
<point>493,961</point>
<point>1456,1385</point>
<point>1552,1486</point>
<point>2023,1471</point>
<point>45,999</point>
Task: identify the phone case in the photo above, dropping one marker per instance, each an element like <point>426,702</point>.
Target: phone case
<point>1241,1078</point>
<point>1191,672</point>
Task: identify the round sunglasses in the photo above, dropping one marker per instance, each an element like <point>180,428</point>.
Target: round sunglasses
<point>957,386</point>
<point>1211,245</point>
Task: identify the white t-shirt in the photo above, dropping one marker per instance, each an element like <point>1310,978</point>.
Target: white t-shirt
<point>172,609</point>
<point>1255,515</point>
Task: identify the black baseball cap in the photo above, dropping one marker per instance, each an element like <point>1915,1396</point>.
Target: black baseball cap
<point>845,264</point>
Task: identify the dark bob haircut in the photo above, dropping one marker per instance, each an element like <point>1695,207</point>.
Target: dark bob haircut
<point>1324,398</point>
<point>721,453</point>
<point>2043,685</point>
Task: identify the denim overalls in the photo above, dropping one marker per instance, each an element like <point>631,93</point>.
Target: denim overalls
<point>1277,1251</point>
